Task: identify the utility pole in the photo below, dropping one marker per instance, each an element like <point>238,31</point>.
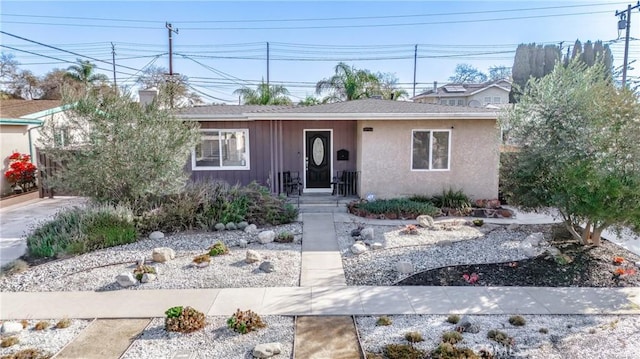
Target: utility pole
<point>171,31</point>
<point>267,65</point>
<point>415,63</point>
<point>113,58</point>
<point>625,23</point>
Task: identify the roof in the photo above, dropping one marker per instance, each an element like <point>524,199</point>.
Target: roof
<point>462,89</point>
<point>357,109</point>
<point>21,108</point>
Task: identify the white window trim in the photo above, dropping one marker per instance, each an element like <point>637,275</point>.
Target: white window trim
<point>431,131</point>
<point>246,167</point>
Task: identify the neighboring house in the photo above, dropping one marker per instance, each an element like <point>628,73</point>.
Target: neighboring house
<point>18,120</point>
<point>495,93</point>
<point>397,148</point>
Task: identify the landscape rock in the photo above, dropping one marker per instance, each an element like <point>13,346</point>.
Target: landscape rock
<point>148,277</point>
<point>467,325</point>
<point>156,235</point>
<point>267,267</point>
<point>267,350</point>
<point>231,226</point>
<point>242,243</point>
<point>251,229</point>
<point>535,239</point>
<point>242,225</point>
<point>358,248</point>
<point>126,279</point>
<point>367,234</point>
<point>11,327</point>
<point>252,256</point>
<point>220,227</point>
<point>528,250</point>
<point>163,254</point>
<point>404,267</point>
<point>425,221</point>
<point>356,232</point>
<point>376,246</point>
<point>553,251</point>
<point>265,237</point>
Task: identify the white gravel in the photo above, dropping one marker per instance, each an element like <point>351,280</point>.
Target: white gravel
<point>569,336</point>
<point>50,340</point>
<point>450,243</point>
<point>215,341</point>
<point>96,271</point>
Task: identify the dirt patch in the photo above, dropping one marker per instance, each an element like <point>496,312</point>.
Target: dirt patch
<point>326,338</point>
<point>104,338</point>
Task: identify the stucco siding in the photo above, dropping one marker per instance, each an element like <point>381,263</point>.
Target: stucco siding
<point>385,159</point>
<point>490,92</point>
<point>13,139</point>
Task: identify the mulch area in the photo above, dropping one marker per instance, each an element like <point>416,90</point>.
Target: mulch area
<point>580,266</point>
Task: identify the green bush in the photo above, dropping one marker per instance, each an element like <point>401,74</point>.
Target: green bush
<point>449,351</point>
<point>81,230</point>
<point>517,320</point>
<point>413,337</point>
<point>452,199</point>
<point>217,249</point>
<point>453,318</point>
<point>244,322</point>
<point>399,206</point>
<point>184,320</point>
<point>403,351</point>
<point>451,337</point>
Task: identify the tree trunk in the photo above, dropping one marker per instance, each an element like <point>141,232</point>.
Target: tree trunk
<point>586,233</point>
<point>574,233</point>
<point>597,232</point>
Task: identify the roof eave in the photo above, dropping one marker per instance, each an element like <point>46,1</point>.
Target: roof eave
<point>20,121</point>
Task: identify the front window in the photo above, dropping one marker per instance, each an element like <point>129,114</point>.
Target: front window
<point>430,150</point>
<point>222,150</point>
<point>496,100</point>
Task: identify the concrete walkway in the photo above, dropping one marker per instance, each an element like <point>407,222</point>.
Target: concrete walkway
<point>323,291</point>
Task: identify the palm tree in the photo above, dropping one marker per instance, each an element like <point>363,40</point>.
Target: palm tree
<point>348,83</point>
<point>84,74</point>
<point>264,94</point>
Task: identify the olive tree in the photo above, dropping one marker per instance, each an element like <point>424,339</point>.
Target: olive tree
<point>579,140</point>
<point>117,151</point>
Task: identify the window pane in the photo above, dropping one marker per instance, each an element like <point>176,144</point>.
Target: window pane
<point>496,100</point>
<point>208,151</point>
<point>452,102</point>
<point>233,149</point>
<point>440,157</point>
<point>421,140</point>
<point>487,100</point>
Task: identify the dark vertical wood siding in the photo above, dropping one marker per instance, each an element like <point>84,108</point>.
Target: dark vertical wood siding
<point>344,137</point>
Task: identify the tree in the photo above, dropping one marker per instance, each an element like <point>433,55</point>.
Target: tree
<point>25,85</point>
<point>309,101</point>
<point>84,73</point>
<point>55,85</point>
<point>579,150</point>
<point>120,151</point>
<point>347,84</point>
<point>465,74</point>
<point>173,91</point>
<point>499,73</point>
<point>264,94</point>
<point>388,87</point>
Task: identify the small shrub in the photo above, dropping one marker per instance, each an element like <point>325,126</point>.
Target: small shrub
<point>284,237</point>
<point>63,323</point>
<point>517,321</point>
<point>25,323</point>
<point>372,355</point>
<point>30,353</point>
<point>410,229</point>
<point>217,249</point>
<point>449,351</point>
<point>500,337</point>
<point>9,341</point>
<point>402,207</point>
<point>41,325</point>
<point>403,351</point>
<point>202,258</point>
<point>453,319</point>
<point>478,222</point>
<point>244,322</point>
<point>141,270</point>
<point>451,337</point>
<point>184,320</point>
<point>452,199</point>
<point>384,321</point>
<point>543,331</point>
<point>413,337</point>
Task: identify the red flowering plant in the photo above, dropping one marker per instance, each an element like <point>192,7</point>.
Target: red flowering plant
<point>21,173</point>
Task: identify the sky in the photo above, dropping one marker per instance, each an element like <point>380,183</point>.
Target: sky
<point>222,46</point>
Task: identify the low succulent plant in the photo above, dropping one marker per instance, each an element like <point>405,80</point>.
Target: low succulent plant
<point>217,249</point>
<point>141,270</point>
<point>517,321</point>
<point>453,319</point>
<point>284,237</point>
<point>451,337</point>
<point>202,258</point>
<point>403,351</point>
<point>384,321</point>
<point>63,323</point>
<point>500,337</point>
<point>9,341</point>
<point>450,351</point>
<point>244,322</point>
<point>29,353</point>
<point>184,320</point>
<point>41,325</point>
<point>413,337</point>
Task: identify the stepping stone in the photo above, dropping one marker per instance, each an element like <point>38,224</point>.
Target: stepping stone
<point>326,338</point>
<point>104,338</point>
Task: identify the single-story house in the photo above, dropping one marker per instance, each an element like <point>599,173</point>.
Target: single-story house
<point>18,120</point>
<point>396,148</point>
<point>490,93</point>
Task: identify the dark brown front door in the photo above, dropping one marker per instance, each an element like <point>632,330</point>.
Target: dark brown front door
<point>318,174</point>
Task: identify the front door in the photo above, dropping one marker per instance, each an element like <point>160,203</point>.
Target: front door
<point>318,159</point>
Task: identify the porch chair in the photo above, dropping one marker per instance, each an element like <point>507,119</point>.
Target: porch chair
<point>292,182</point>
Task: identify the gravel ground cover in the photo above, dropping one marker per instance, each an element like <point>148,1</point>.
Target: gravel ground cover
<point>50,340</point>
<point>96,271</point>
<point>215,341</point>
<point>559,336</point>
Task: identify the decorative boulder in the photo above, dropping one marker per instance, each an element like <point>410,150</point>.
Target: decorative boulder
<point>376,245</point>
<point>265,237</point>
<point>358,248</point>
<point>11,327</point>
<point>242,225</point>
<point>126,279</point>
<point>467,325</point>
<point>425,221</point>
<point>356,232</point>
<point>534,239</point>
<point>148,277</point>
<point>163,254</point>
<point>251,229</point>
<point>404,267</point>
<point>220,227</point>
<point>231,226</point>
<point>367,234</point>
<point>267,267</point>
<point>252,256</point>
<point>267,350</point>
<point>156,235</point>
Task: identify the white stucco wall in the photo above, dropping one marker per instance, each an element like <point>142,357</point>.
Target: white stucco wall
<point>14,138</point>
<point>384,159</point>
<point>490,92</point>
